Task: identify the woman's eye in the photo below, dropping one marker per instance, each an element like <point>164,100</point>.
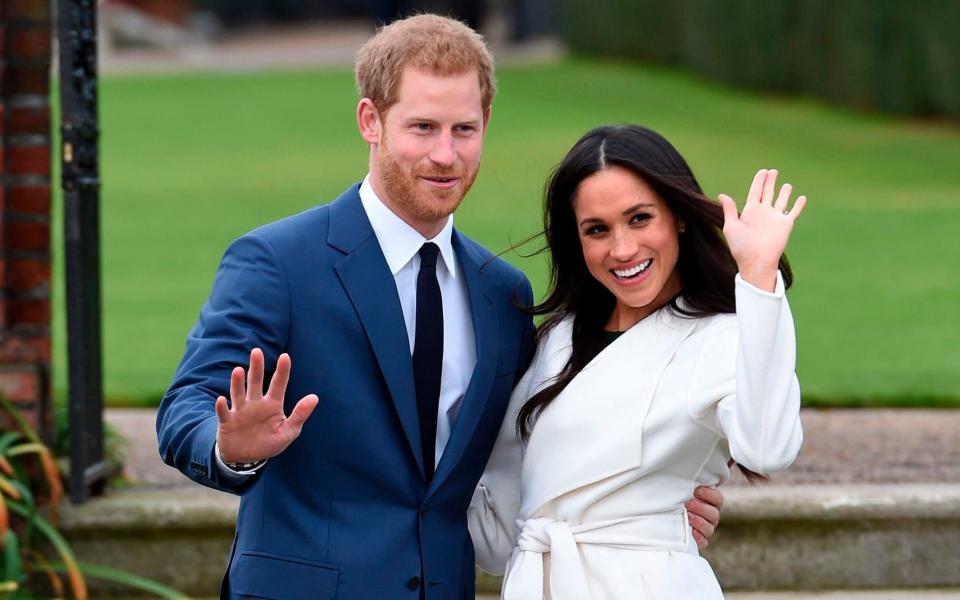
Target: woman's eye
<point>640,217</point>
<point>594,230</point>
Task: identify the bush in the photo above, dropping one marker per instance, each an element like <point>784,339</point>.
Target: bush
<point>901,57</point>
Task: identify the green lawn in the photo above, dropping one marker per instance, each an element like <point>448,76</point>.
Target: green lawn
<point>190,162</point>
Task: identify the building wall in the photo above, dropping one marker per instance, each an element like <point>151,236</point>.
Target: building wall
<point>25,50</point>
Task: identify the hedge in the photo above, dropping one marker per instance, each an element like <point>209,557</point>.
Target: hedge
<point>893,55</point>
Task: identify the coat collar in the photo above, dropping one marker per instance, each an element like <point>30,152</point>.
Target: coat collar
<point>368,281</point>
<point>592,430</point>
<point>486,333</point>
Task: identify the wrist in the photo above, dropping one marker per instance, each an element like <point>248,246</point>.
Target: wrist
<point>239,466</point>
<point>760,276</point>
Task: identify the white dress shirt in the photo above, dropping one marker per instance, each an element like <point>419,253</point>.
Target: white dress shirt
<point>401,244</point>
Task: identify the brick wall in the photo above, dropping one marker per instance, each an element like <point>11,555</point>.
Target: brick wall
<point>25,49</point>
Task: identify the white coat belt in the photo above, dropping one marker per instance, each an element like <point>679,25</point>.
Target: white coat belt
<point>524,578</point>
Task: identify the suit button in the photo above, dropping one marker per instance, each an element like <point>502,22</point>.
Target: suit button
<point>414,583</point>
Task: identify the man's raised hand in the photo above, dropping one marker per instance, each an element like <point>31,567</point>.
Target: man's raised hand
<point>253,427</point>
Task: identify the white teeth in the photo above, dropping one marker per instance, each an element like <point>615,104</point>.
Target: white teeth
<point>627,273</point>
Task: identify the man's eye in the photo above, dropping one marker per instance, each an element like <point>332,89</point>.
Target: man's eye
<point>423,126</point>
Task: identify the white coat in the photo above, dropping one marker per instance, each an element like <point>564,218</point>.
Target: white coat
<point>592,507</point>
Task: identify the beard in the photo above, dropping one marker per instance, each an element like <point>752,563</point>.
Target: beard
<point>411,195</point>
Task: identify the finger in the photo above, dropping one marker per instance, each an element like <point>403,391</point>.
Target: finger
<point>701,541</point>
<point>278,385</point>
<point>300,413</point>
<point>701,526</point>
<point>255,375</point>
<point>704,511</point>
<point>756,188</point>
<point>710,495</point>
<point>238,392</point>
<point>784,198</point>
<point>769,187</point>
<point>223,412</point>
<point>729,209</point>
<point>798,207</point>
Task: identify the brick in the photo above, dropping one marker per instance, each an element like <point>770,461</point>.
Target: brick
<point>34,199</point>
<point>29,160</point>
<point>33,311</point>
<point>27,120</point>
<point>27,79</point>
<point>29,42</point>
<point>20,383</point>
<point>39,347</point>
<point>26,274</point>
<point>28,9</point>
<point>24,347</point>
<point>28,236</point>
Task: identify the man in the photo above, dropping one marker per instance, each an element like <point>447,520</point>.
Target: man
<point>408,338</point>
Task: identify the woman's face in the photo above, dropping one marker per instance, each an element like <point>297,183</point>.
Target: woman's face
<point>630,242</point>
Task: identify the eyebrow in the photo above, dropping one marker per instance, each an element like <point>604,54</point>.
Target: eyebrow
<point>625,213</point>
<point>468,121</point>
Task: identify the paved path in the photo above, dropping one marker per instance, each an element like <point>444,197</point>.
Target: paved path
<point>317,44</point>
<point>841,446</point>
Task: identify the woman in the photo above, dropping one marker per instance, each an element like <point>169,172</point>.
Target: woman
<point>668,351</point>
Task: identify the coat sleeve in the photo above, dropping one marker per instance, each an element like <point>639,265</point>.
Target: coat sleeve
<point>760,415</point>
<point>249,307</point>
<point>495,507</point>
<point>492,515</point>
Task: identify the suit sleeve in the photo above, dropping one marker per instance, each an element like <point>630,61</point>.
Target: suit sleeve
<point>761,418</point>
<point>249,307</point>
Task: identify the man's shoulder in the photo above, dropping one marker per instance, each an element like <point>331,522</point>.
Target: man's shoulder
<point>308,223</point>
<point>493,265</point>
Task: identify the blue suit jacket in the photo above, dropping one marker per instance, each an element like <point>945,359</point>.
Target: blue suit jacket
<point>344,511</point>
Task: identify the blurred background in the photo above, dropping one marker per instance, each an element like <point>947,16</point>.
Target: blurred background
<point>219,116</point>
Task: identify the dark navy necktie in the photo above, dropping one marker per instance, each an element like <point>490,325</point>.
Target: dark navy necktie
<point>428,353</point>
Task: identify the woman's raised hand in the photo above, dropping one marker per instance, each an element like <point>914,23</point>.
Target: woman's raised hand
<point>758,235</point>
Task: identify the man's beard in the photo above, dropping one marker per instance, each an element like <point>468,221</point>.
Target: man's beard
<point>406,191</point>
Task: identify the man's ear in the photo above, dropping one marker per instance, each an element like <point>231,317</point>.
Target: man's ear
<point>369,122</point>
<point>486,118</point>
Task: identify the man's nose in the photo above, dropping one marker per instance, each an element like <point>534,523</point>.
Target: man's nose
<point>444,152</point>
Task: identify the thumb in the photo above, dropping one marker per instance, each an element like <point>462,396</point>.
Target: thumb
<point>729,209</point>
<point>302,411</point>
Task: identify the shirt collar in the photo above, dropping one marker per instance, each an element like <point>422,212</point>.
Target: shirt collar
<point>398,240</point>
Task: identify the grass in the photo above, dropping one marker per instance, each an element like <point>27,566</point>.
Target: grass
<point>192,161</point>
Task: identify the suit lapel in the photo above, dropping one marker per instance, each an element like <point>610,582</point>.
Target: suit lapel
<point>369,284</point>
<point>486,332</point>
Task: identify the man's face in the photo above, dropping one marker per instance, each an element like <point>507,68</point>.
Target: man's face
<point>427,153</point>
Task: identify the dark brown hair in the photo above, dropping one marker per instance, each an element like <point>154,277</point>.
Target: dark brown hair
<point>705,265</point>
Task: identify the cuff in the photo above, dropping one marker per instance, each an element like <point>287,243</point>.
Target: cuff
<point>778,291</point>
<point>237,468</point>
